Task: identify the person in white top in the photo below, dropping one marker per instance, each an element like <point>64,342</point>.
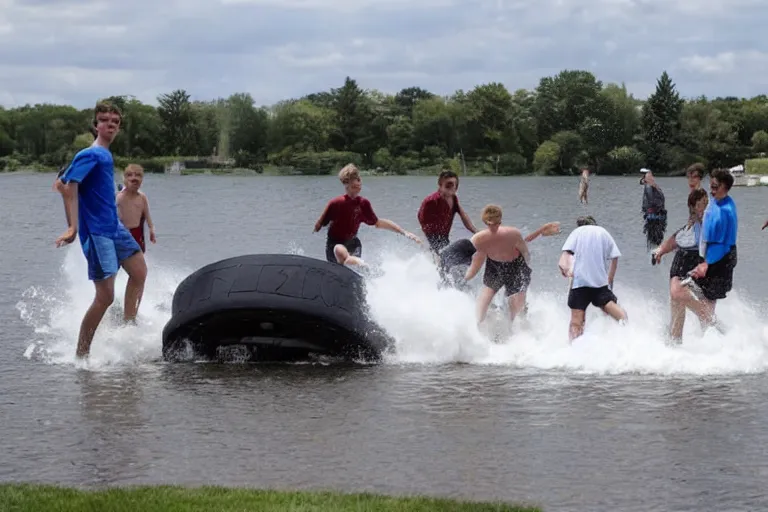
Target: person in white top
<point>585,259</point>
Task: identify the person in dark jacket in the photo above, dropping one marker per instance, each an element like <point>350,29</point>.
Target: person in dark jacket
<point>654,210</point>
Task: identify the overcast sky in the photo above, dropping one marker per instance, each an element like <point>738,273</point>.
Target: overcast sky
<point>75,51</point>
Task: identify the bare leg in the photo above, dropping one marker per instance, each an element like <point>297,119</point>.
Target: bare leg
<point>483,301</point>
<point>344,258</point>
<point>576,328</point>
<point>516,304</point>
<point>105,295</point>
<point>616,311</point>
<point>136,267</point>
<point>679,297</point>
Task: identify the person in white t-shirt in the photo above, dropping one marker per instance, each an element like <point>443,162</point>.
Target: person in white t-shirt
<point>590,258</point>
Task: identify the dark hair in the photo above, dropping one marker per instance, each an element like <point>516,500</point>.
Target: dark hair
<point>446,175</point>
<point>104,107</point>
<point>697,169</point>
<point>695,196</point>
<point>586,220</point>
<point>724,176</point>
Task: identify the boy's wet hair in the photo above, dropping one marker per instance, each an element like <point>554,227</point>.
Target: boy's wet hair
<point>104,107</point>
<point>349,172</point>
<point>446,175</point>
<point>586,220</point>
<point>724,176</point>
<point>697,169</point>
<point>491,212</point>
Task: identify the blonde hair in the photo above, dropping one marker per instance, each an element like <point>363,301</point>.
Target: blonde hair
<point>492,214</point>
<point>133,168</point>
<point>349,172</point>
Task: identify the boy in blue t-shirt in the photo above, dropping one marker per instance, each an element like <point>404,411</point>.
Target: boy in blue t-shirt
<point>88,189</point>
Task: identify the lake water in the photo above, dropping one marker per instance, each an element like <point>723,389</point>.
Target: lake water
<point>616,421</point>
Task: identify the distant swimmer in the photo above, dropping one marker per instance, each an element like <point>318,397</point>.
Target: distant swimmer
<point>133,206</point>
<point>686,243</point>
<point>345,213</point>
<point>507,263</point>
<point>438,210</point>
<point>454,259</point>
<point>584,186</point>
<point>590,258</point>
<point>654,210</point>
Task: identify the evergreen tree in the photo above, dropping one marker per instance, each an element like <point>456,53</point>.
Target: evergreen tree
<point>661,124</point>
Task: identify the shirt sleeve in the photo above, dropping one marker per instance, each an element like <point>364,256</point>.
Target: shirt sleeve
<point>330,211</point>
<point>570,242</point>
<point>369,217</point>
<point>423,211</point>
<point>611,249</point>
<point>83,163</point>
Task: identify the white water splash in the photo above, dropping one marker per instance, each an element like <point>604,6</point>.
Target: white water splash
<point>430,326</point>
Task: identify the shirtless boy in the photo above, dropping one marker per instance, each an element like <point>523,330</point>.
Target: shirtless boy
<point>88,189</point>
<point>345,213</point>
<point>584,186</point>
<point>507,263</point>
<point>438,210</point>
<point>133,206</point>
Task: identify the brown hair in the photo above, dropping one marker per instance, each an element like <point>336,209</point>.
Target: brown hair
<point>349,172</point>
<point>586,220</point>
<point>724,176</point>
<point>104,107</point>
<point>697,169</point>
<point>491,213</point>
<point>446,175</point>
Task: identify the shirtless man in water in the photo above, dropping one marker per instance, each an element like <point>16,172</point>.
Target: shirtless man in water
<point>507,263</point>
<point>584,186</point>
<point>133,206</point>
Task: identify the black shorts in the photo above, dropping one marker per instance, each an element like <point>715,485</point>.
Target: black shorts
<point>719,279</point>
<point>437,242</point>
<point>580,298</point>
<point>683,262</point>
<point>514,276</point>
<point>353,245</point>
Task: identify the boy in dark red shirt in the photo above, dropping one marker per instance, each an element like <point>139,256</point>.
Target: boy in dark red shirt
<point>438,210</point>
<point>345,213</point>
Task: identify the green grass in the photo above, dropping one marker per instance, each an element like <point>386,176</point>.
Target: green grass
<point>756,166</point>
<point>39,498</point>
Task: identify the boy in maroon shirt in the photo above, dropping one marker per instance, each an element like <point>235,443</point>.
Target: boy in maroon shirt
<point>438,209</point>
<point>345,213</point>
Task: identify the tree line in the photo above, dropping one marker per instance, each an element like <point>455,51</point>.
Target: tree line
<point>569,121</point>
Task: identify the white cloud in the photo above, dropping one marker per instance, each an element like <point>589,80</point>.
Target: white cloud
<point>75,51</point>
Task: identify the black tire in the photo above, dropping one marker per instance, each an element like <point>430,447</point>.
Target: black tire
<point>287,307</point>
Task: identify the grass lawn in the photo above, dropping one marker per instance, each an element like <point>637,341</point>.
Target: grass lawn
<point>756,166</point>
<point>39,498</point>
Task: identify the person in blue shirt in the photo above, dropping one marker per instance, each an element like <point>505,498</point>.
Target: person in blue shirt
<point>714,275</point>
<point>88,189</point>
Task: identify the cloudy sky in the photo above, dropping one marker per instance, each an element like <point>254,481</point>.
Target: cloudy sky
<point>75,51</point>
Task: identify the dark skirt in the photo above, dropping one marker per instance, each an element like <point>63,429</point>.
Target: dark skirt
<point>683,262</point>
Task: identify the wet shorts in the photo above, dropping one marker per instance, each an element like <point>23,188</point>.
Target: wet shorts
<point>353,245</point>
<point>437,242</point>
<point>580,298</point>
<point>514,276</point>
<point>105,254</point>
<point>719,279</point>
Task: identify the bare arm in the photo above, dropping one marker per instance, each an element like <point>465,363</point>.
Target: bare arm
<point>612,271</point>
<point>765,225</point>
<point>147,215</point>
<point>466,220</point>
<point>548,229</point>
<point>522,246</point>
<point>477,261</point>
<point>319,223</point>
<point>69,193</point>
<point>564,264</point>
<point>669,245</point>
<point>391,226</point>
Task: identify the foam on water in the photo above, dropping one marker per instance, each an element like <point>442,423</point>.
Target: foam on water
<point>433,325</point>
<point>430,325</point>
<point>55,313</point>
